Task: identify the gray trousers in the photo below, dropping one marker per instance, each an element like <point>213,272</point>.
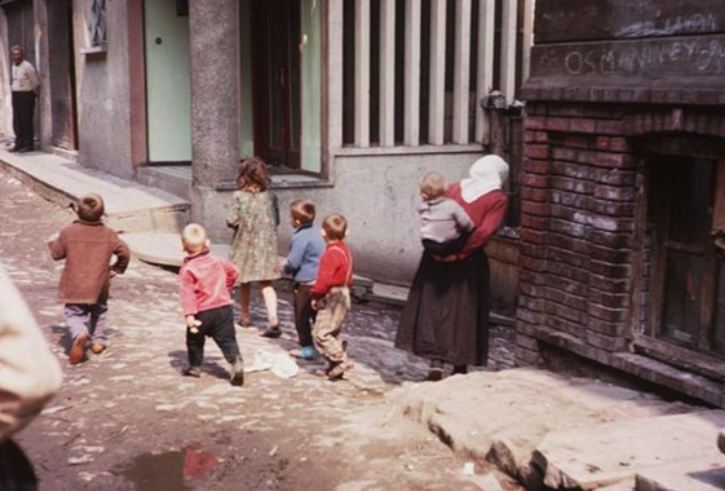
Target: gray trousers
<point>331,314</point>
<point>87,318</point>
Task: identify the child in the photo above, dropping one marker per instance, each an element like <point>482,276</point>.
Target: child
<point>87,247</point>
<point>302,261</point>
<point>254,245</point>
<point>445,226</point>
<point>206,283</point>
<point>331,296</point>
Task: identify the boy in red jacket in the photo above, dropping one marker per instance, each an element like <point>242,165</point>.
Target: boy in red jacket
<point>206,283</point>
<point>331,296</point>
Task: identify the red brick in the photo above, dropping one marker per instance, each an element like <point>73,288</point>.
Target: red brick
<point>528,249</point>
<point>612,193</point>
<point>581,125</point>
<point>609,315</point>
<point>608,255</point>
<point>565,312</point>
<point>569,169</point>
<point>531,277</point>
<point>573,200</point>
<point>572,301</point>
<point>535,123</point>
<point>604,327</point>
<point>532,290</point>
<point>537,151</point>
<point>561,325</point>
<point>526,315</point>
<point>559,153</point>
<point>541,137</point>
<point>618,160</point>
<point>532,304</point>
<point>534,222</point>
<point>603,143</point>
<point>567,257</point>
<point>610,270</point>
<point>576,141</point>
<point>609,126</point>
<point>535,181</point>
<point>535,194</point>
<point>618,144</point>
<point>568,286</point>
<point>612,285</point>
<point>580,275</point>
<point>623,209</point>
<point>532,236</point>
<point>572,185</point>
<point>536,166</point>
<point>557,124</point>
<point>607,343</point>
<point>529,136</point>
<point>609,300</point>
<point>535,208</point>
<point>611,240</point>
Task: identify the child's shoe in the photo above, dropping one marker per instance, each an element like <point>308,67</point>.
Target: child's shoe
<point>192,372</point>
<point>305,353</point>
<point>272,332</point>
<point>336,372</point>
<point>77,351</point>
<point>237,372</point>
<point>98,348</point>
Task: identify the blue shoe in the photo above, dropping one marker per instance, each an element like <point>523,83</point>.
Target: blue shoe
<point>305,353</point>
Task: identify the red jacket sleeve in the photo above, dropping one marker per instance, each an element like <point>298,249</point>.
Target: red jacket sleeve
<point>232,274</point>
<point>57,247</point>
<point>329,263</point>
<point>489,225</point>
<point>188,293</point>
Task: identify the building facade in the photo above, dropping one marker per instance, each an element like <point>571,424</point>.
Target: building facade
<point>623,192</point>
<point>349,101</point>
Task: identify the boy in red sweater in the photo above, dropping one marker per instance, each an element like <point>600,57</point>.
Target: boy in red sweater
<point>206,283</point>
<point>331,296</point>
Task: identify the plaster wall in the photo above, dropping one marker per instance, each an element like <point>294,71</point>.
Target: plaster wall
<point>378,196</point>
<point>102,85</point>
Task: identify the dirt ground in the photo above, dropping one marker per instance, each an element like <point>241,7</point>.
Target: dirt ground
<point>127,419</point>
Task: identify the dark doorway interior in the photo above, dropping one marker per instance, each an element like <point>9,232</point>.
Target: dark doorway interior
<point>62,74</point>
<point>276,82</point>
<point>19,15</point>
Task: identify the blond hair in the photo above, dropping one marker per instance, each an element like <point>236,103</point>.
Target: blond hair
<point>335,226</point>
<point>433,185</point>
<point>194,237</point>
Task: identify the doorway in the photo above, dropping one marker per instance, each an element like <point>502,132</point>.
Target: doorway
<point>276,82</point>
<point>688,275</point>
<point>62,75</point>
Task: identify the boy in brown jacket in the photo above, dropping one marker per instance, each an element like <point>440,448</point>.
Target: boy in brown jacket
<point>87,246</point>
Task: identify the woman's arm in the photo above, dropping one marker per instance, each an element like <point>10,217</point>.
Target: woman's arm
<point>489,225</point>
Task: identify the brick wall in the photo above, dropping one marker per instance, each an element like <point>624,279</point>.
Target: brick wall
<point>578,197</point>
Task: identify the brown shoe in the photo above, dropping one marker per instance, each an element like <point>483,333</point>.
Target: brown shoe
<point>98,348</point>
<point>337,372</point>
<point>77,352</point>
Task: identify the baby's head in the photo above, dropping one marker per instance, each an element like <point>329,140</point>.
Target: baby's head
<point>432,186</point>
<point>194,238</point>
<point>334,227</point>
<point>253,175</point>
<point>90,208</point>
<point>301,212</point>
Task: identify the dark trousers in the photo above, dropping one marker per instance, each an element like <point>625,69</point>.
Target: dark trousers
<point>304,314</point>
<point>218,324</point>
<point>23,111</point>
<point>16,471</point>
<point>446,248</point>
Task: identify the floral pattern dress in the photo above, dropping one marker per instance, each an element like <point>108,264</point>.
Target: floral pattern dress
<point>254,245</point>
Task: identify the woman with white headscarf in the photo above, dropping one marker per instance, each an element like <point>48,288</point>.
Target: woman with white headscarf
<point>445,318</point>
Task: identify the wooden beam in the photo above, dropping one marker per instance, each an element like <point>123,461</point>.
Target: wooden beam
<point>484,76</point>
<point>461,71</point>
<point>362,73</point>
<point>527,39</point>
<point>437,85</point>
<point>508,50</point>
<point>411,116</point>
<point>387,73</point>
<point>333,44</point>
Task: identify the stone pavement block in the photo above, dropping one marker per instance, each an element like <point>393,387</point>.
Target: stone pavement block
<point>695,475</point>
<point>503,416</point>
<point>599,455</point>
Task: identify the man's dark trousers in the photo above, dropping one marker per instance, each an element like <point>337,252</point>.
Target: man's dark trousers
<point>218,324</point>
<point>23,111</point>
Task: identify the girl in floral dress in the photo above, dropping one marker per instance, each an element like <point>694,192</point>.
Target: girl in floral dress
<point>254,245</point>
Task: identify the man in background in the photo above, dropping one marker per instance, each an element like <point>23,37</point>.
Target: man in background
<point>24,86</point>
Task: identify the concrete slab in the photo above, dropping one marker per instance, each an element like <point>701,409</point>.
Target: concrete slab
<point>694,475</point>
<point>503,416</point>
<point>129,206</point>
<point>599,455</point>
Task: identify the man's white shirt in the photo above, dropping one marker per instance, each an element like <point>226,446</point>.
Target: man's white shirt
<point>24,77</point>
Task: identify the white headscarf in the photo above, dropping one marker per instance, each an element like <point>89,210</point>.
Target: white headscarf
<point>488,173</point>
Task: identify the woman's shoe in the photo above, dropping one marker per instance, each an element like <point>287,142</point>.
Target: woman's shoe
<point>244,323</point>
<point>434,375</point>
<point>272,332</point>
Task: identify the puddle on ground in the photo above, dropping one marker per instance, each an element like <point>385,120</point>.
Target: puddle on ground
<point>172,471</point>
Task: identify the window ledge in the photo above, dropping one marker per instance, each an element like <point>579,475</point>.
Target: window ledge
<point>408,150</point>
<point>284,181</point>
<point>93,50</point>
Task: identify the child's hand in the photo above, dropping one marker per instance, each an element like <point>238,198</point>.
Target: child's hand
<point>53,237</point>
<point>313,304</point>
<point>192,323</point>
<point>112,273</point>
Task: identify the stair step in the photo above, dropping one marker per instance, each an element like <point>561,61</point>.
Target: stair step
<point>692,475</point>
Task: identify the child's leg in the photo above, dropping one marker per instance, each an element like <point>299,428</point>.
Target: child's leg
<point>99,314</point>
<point>244,292</point>
<point>270,302</point>
<point>219,325</point>
<point>328,326</point>
<point>303,314</point>
<point>77,317</point>
<point>195,346</point>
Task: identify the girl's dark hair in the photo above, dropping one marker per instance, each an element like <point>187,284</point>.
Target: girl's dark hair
<point>253,172</point>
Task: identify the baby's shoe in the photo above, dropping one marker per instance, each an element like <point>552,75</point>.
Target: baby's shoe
<point>192,372</point>
<point>237,372</point>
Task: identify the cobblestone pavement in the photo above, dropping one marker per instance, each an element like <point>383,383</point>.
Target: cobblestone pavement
<point>127,419</point>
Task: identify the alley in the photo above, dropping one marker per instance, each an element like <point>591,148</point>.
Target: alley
<point>127,419</point>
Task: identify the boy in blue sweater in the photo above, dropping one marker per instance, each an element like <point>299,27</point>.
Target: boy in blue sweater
<point>302,262</point>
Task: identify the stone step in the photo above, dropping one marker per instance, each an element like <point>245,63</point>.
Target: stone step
<point>503,416</point>
<point>599,455</point>
<point>692,475</point>
<point>175,179</point>
<point>130,206</point>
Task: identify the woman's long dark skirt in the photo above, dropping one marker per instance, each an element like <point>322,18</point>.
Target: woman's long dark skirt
<point>446,314</point>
